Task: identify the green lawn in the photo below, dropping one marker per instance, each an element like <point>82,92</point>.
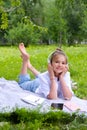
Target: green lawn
<point>10,64</point>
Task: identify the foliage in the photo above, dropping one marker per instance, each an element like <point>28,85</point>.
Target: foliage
<point>74,13</point>
<point>83,26</point>
<point>55,22</point>
<point>26,119</point>
<point>34,120</point>
<point>25,31</point>
<point>10,63</point>
<point>4,21</point>
<point>65,20</point>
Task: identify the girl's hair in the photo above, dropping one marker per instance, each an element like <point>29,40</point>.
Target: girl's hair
<point>58,51</point>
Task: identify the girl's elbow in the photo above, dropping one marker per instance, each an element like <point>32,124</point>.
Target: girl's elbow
<point>68,97</point>
<point>51,97</point>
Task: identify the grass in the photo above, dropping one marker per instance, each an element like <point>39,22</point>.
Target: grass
<point>33,120</point>
<point>10,64</point>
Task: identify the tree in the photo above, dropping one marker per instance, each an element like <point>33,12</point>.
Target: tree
<point>25,31</point>
<point>74,14</point>
<point>14,12</point>
<point>55,22</point>
<point>65,19</point>
<point>84,27</point>
<point>5,7</point>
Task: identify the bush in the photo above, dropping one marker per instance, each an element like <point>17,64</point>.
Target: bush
<point>26,33</point>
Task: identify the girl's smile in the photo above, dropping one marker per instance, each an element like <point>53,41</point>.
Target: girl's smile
<point>59,64</point>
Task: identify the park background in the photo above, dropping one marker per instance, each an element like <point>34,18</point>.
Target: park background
<point>44,25</point>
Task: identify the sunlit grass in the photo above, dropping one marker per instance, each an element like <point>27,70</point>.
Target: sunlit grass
<point>10,63</point>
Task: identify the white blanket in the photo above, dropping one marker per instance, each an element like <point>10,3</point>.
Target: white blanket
<point>11,95</point>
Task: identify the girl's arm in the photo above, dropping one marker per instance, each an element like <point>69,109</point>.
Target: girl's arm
<point>53,87</point>
<point>65,88</point>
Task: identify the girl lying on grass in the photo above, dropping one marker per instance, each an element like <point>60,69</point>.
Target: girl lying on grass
<point>53,83</point>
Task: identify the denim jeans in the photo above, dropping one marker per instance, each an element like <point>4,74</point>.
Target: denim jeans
<point>26,83</point>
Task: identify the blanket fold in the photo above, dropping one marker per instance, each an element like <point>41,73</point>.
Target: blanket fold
<point>11,95</point>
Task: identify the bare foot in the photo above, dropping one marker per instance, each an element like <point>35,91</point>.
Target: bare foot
<point>25,55</point>
<point>26,60</point>
<point>22,49</point>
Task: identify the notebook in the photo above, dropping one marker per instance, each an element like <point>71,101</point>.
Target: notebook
<point>71,106</point>
<point>33,99</point>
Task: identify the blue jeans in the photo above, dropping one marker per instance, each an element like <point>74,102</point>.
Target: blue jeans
<point>26,83</point>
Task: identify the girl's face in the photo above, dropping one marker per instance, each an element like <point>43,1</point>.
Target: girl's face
<point>58,64</point>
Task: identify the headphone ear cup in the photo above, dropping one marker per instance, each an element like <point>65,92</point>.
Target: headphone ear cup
<point>48,60</point>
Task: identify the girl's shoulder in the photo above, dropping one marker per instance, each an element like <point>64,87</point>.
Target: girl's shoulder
<point>44,75</point>
<point>67,75</point>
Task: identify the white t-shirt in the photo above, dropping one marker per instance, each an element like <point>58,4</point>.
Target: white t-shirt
<point>44,87</point>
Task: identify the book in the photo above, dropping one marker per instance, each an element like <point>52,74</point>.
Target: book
<point>33,99</point>
<point>72,106</point>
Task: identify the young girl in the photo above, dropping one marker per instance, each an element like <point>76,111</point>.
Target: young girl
<point>51,84</point>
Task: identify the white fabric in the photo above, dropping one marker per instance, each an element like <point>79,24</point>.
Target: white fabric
<point>11,95</point>
<point>44,87</point>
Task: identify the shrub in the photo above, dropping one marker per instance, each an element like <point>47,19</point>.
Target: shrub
<point>22,33</point>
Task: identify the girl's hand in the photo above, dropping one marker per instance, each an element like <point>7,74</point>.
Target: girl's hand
<point>65,69</point>
<point>50,70</point>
